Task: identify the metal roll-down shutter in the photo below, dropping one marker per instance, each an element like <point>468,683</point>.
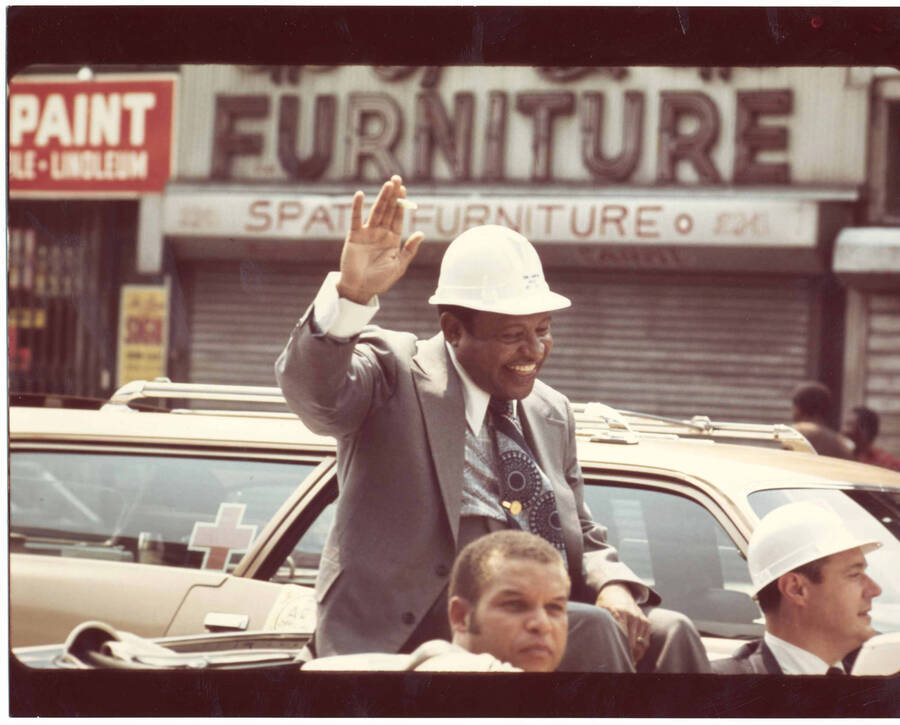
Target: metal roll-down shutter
<point>241,314</point>
<point>882,374</point>
<point>730,349</point>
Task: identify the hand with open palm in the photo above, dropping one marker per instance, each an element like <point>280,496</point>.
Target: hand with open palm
<point>374,256</point>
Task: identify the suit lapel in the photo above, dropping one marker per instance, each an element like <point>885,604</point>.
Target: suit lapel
<point>443,410</point>
<point>545,431</point>
<point>770,664</point>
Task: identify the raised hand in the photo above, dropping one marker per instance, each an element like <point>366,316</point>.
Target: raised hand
<point>374,256</point>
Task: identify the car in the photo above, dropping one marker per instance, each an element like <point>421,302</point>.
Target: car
<point>168,521</point>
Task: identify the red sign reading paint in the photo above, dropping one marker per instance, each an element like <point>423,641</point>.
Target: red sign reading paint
<point>95,137</point>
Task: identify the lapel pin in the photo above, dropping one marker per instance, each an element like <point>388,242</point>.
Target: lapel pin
<point>515,508</point>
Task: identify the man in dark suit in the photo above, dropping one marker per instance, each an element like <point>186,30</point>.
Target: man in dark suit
<point>809,577</point>
<point>444,440</point>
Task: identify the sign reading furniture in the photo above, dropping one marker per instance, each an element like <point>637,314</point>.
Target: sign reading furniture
<point>103,137</point>
<point>374,121</point>
<point>518,125</point>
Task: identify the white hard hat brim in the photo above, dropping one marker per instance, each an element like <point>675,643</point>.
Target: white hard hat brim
<point>530,304</point>
<point>840,546</point>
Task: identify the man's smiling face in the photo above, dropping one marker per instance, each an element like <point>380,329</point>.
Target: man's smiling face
<point>501,353</point>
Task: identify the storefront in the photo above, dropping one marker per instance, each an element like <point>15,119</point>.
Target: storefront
<point>689,215</point>
<point>867,263</point>
<point>83,153</point>
<point>867,260</point>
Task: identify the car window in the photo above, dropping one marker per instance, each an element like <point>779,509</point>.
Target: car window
<point>871,514</point>
<point>675,545</point>
<point>172,510</point>
<point>302,564</point>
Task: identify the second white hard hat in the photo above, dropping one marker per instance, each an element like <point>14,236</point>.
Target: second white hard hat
<point>796,534</point>
<point>495,269</point>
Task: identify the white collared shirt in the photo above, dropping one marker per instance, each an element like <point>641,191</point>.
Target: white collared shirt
<point>337,316</point>
<point>476,399</point>
<point>795,660</point>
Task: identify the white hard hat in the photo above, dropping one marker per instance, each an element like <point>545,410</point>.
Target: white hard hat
<point>494,269</point>
<point>796,534</point>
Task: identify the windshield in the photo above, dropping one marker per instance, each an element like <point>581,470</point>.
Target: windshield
<point>869,514</point>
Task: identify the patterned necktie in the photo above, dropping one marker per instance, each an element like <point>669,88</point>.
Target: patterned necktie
<point>525,491</point>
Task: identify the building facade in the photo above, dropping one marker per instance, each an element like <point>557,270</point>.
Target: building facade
<point>86,152</point>
<point>867,263</point>
<point>691,215</point>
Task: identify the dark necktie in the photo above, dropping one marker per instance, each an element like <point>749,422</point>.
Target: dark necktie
<point>835,671</point>
<point>525,491</point>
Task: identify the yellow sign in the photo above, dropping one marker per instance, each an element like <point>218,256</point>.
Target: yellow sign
<point>143,332</point>
<point>27,318</point>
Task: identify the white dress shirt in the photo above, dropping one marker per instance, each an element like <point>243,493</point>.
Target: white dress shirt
<point>795,660</point>
<point>476,399</point>
<point>337,316</point>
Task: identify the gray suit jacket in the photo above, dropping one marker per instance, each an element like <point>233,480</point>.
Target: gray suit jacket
<point>395,405</point>
<point>753,658</point>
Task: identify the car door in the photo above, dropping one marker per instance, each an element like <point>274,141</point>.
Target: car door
<point>143,537</point>
<point>256,596</point>
<point>672,535</point>
<point>683,545</point>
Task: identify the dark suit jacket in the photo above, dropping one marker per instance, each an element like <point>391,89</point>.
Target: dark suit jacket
<point>395,405</point>
<point>753,658</point>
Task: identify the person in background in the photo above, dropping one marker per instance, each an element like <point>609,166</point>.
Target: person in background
<point>812,406</point>
<point>808,572</point>
<point>444,440</point>
<point>861,427</point>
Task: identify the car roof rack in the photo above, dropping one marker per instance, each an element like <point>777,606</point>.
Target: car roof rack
<point>699,427</point>
<point>165,389</point>
<point>599,422</point>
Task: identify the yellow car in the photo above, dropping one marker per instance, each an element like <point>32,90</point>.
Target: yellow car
<point>174,521</point>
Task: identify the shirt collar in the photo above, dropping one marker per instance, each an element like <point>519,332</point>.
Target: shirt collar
<point>795,660</point>
<point>475,398</point>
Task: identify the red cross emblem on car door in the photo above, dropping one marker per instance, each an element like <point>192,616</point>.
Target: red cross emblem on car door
<point>222,538</point>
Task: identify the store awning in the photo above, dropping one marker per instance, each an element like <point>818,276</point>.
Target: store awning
<point>868,256</point>
<point>868,249</point>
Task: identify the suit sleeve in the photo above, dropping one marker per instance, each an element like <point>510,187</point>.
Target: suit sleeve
<point>332,383</point>
<point>601,564</point>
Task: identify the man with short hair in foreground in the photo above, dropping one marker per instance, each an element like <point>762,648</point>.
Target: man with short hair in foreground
<point>809,577</point>
<point>508,594</point>
<point>507,612</point>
